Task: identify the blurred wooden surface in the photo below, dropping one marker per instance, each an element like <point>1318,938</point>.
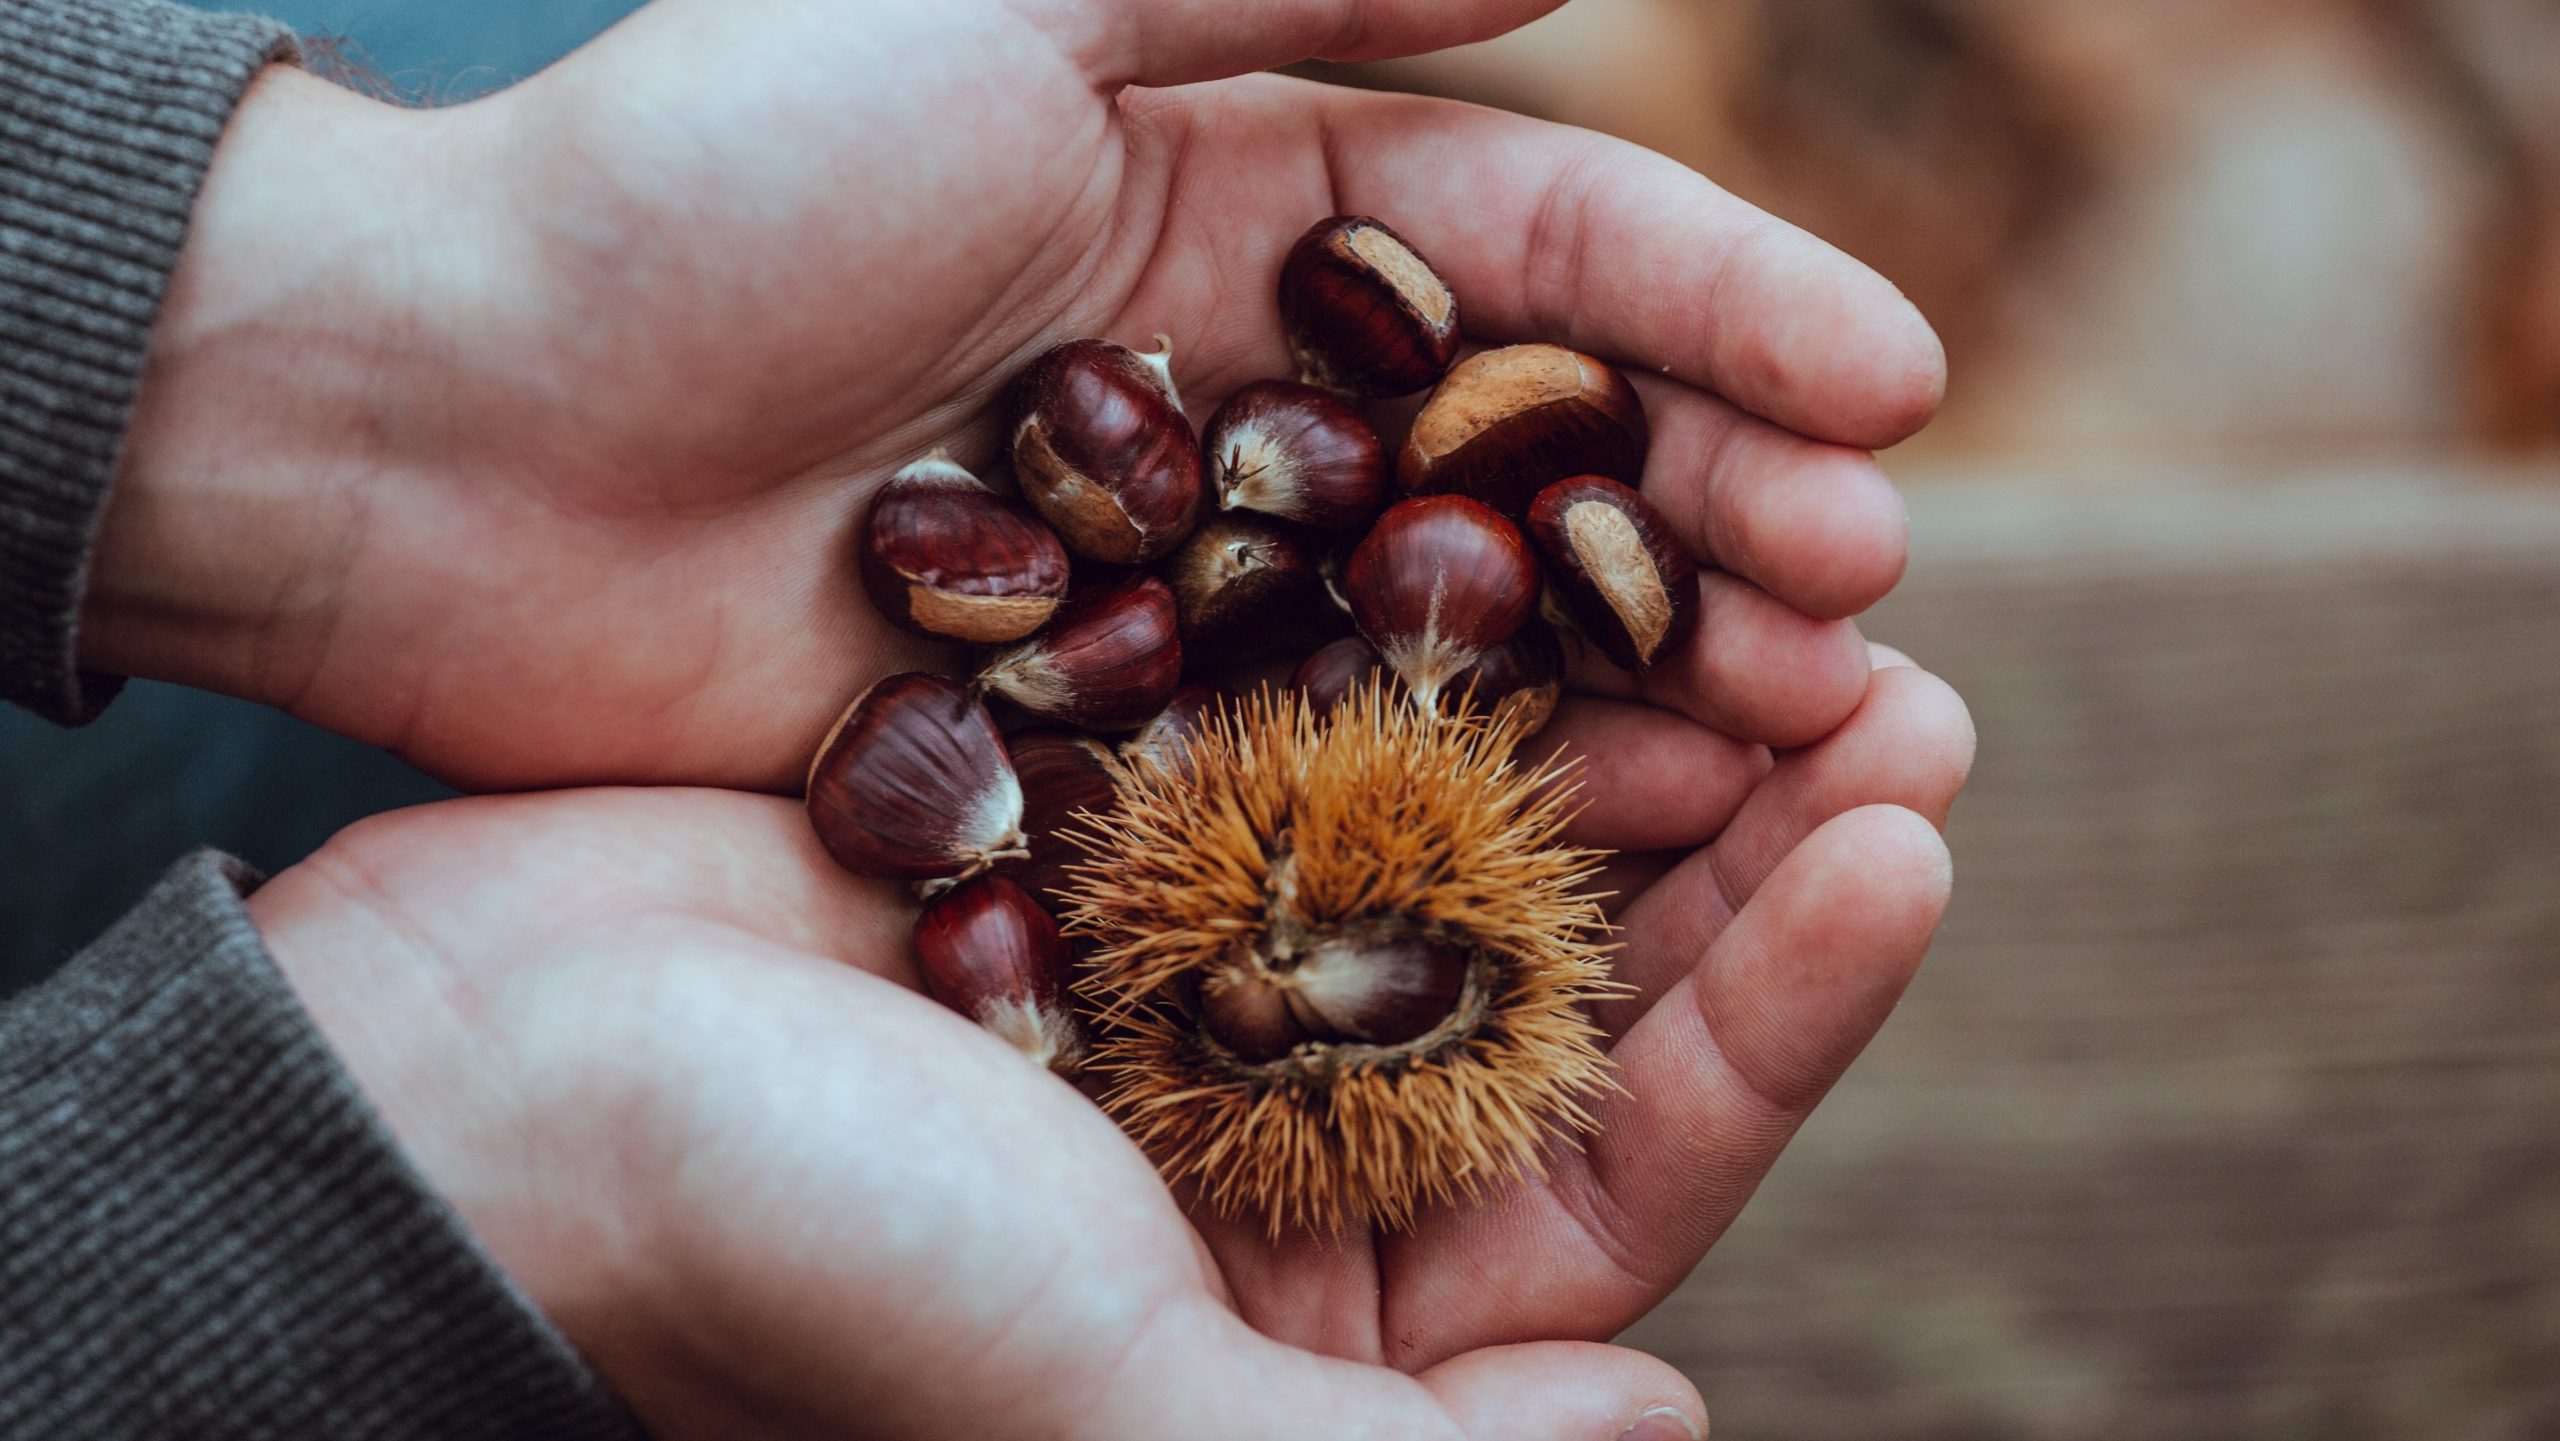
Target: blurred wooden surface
<point>2229,1103</point>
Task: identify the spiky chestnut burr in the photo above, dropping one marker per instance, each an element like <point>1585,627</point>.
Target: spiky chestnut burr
<point>1103,450</point>
<point>1632,590</point>
<point>946,558</point>
<point>1341,967</point>
<point>1297,453</point>
<point>913,784</point>
<point>988,951</point>
<point>1365,313</point>
<point>1508,423</point>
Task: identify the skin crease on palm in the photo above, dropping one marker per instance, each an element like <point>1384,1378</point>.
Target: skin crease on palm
<point>527,437</point>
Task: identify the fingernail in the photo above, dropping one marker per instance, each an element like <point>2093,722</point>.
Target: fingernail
<point>1664,1423</point>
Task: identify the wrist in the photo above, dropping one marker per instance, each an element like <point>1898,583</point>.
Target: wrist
<point>260,445</point>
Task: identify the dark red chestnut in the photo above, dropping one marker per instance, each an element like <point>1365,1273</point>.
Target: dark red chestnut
<point>1298,453</point>
<point>988,951</point>
<point>1063,775</point>
<point>1109,661</point>
<point>1375,986</point>
<point>1508,423</point>
<point>1609,552</point>
<point>1103,451</point>
<point>1167,739</point>
<point>1524,673</point>
<point>1365,313</point>
<point>913,784</point>
<point>1438,583</point>
<point>946,558</point>
<point>1328,677</point>
<point>1240,583</point>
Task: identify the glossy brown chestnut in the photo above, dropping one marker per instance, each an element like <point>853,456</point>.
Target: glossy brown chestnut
<point>1508,423</point>
<point>989,951</point>
<point>913,784</point>
<point>1110,660</point>
<point>1609,552</point>
<point>1298,453</point>
<point>1383,985</point>
<point>1239,580</point>
<point>1063,775</point>
<point>1524,673</point>
<point>1365,313</point>
<point>1439,582</point>
<point>1165,740</point>
<point>946,558</point>
<point>1328,677</point>
<point>1103,451</point>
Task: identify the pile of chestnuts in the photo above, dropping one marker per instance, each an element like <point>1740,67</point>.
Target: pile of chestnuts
<point>1143,571</point>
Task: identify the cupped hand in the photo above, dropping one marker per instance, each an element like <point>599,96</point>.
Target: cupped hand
<point>527,437</point>
<point>670,1065</point>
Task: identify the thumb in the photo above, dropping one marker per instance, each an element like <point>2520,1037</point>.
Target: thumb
<point>1567,1391</point>
<point>1177,42</point>
<point>1195,1374</point>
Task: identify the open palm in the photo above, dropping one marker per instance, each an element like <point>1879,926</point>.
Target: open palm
<point>661,316</point>
<point>668,1061</point>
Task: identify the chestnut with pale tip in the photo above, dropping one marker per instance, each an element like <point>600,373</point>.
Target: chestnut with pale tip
<point>1328,677</point>
<point>1243,579</point>
<point>1167,739</point>
<point>1439,582</point>
<point>913,784</point>
<point>1063,775</point>
<point>1103,451</point>
<point>1382,985</point>
<point>1298,453</point>
<point>988,950</point>
<point>1365,313</point>
<point>944,557</point>
<point>1610,553</point>
<point>1111,659</point>
<point>1508,423</point>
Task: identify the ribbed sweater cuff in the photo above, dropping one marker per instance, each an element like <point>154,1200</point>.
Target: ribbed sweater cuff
<point>109,110</point>
<point>205,1231</point>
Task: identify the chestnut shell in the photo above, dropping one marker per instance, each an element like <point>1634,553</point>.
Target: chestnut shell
<point>1063,774</point>
<point>1508,423</point>
<point>1364,312</point>
<point>945,558</point>
<point>913,784</point>
<point>1245,587</point>
<point>1103,451</point>
<point>1109,661</point>
<point>1610,553</point>
<point>1298,453</point>
<point>1440,581</point>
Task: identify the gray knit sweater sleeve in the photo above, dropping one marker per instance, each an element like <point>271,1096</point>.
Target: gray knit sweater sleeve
<point>109,110</point>
<point>204,1230</point>
<point>206,1233</point>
